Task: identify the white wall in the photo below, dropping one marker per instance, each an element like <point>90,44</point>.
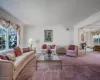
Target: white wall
<point>94,18</point>
<point>14,20</point>
<point>61,36</point>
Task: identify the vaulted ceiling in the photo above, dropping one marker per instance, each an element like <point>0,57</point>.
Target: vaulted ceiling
<point>51,12</point>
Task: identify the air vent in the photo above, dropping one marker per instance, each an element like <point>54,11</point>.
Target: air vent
<point>67,29</point>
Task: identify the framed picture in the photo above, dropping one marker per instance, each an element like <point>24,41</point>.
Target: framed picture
<point>48,35</point>
<point>82,37</point>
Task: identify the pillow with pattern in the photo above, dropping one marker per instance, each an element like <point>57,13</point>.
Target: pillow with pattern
<point>11,57</point>
<point>3,57</point>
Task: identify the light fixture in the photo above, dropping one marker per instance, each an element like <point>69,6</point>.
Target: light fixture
<point>30,42</point>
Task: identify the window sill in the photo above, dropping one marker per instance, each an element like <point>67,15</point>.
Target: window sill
<point>5,50</point>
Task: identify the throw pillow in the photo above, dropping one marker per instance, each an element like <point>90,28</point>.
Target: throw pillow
<point>44,46</point>
<point>71,47</point>
<point>10,57</point>
<point>31,48</point>
<point>52,46</point>
<point>26,50</point>
<point>3,57</point>
<point>17,51</point>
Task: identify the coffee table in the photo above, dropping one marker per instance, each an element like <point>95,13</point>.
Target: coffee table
<point>43,57</point>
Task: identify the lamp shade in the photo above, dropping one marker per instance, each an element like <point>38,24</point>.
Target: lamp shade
<point>30,41</point>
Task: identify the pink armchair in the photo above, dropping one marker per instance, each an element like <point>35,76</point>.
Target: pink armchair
<point>72,50</point>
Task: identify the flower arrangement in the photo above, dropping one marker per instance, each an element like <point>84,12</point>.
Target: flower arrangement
<point>49,52</point>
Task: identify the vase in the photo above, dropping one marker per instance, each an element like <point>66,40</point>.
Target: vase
<point>49,54</point>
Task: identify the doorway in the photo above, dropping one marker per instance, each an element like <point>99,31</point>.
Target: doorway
<point>88,38</point>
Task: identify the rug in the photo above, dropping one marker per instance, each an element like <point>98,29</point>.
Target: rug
<point>72,69</point>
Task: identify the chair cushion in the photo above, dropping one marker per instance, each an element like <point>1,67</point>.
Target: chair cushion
<point>71,47</point>
<point>71,51</point>
<point>9,51</point>
<point>17,51</point>
<point>10,57</point>
<point>44,46</point>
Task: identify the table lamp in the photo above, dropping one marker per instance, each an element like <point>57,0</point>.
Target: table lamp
<point>31,42</point>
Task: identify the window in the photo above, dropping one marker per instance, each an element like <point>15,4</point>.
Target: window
<point>96,38</point>
<point>12,37</point>
<point>2,38</point>
<point>8,38</point>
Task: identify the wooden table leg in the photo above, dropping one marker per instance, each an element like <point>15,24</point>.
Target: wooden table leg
<point>36,65</point>
<point>61,65</point>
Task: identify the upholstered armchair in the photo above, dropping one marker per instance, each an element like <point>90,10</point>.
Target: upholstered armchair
<point>53,47</point>
<point>72,50</point>
<point>44,48</point>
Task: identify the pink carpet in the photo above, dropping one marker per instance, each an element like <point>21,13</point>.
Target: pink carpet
<point>92,58</point>
<point>83,67</point>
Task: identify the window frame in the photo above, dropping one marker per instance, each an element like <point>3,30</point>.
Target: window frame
<point>7,39</point>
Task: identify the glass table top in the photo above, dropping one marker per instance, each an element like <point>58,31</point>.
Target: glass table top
<point>45,57</point>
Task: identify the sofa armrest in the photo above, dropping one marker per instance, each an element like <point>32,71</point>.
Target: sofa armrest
<point>6,70</point>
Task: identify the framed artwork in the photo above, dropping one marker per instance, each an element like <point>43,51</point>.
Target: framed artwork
<point>82,37</point>
<point>48,35</point>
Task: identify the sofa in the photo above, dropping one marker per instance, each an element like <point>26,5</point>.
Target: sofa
<point>96,48</point>
<point>9,70</point>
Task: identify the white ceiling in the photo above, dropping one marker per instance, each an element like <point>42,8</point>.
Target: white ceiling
<point>51,12</point>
